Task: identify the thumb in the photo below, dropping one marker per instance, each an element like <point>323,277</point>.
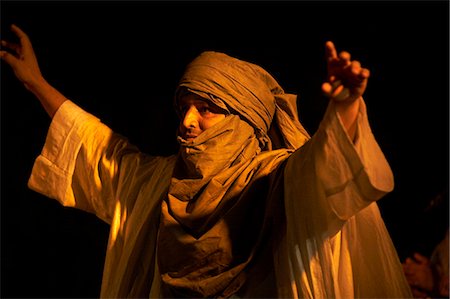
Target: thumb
<point>327,88</point>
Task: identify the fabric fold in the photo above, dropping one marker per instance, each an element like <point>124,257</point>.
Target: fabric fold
<point>334,230</point>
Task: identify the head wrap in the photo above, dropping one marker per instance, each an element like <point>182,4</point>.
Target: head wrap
<point>248,90</point>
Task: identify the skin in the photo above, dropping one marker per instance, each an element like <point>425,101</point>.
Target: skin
<point>346,82</point>
<point>419,275</point>
<point>197,116</point>
<point>25,66</point>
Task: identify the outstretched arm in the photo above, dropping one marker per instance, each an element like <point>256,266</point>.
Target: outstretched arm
<point>347,81</point>
<point>22,60</point>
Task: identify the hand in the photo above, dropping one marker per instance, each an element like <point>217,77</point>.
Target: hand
<point>22,59</point>
<point>25,66</point>
<point>347,80</point>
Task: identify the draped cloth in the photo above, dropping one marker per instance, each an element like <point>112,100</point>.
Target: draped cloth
<point>336,243</point>
<point>214,171</point>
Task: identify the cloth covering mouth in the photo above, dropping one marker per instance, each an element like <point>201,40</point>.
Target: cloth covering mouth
<point>205,166</point>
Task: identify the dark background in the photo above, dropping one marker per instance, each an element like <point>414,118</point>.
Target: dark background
<point>121,61</point>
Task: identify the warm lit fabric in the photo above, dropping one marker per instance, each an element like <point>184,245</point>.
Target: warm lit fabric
<point>202,251</point>
<point>336,243</point>
<point>213,221</point>
<point>85,165</point>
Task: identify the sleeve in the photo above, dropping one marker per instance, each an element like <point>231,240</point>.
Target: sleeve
<point>350,175</point>
<point>84,164</point>
<point>331,185</point>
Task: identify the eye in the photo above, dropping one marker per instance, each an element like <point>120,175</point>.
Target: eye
<point>204,110</point>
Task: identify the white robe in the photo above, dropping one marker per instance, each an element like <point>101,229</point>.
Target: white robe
<point>336,244</point>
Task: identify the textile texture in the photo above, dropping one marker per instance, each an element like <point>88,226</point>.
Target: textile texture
<point>218,173</point>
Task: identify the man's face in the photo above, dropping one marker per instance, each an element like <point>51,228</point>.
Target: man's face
<point>197,116</point>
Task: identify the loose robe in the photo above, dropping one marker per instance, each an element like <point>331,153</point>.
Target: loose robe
<point>335,245</point>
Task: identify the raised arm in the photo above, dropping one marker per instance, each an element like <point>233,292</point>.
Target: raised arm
<point>347,81</point>
<point>349,173</point>
<point>22,59</point>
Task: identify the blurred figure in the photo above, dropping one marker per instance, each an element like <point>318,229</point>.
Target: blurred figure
<point>428,276</point>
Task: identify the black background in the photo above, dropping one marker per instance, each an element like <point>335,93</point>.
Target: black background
<point>121,61</point>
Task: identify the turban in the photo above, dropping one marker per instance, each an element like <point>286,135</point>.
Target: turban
<point>246,89</point>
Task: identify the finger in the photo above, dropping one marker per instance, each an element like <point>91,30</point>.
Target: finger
<point>364,74</point>
<point>345,56</point>
<point>343,95</point>
<point>335,84</point>
<point>355,73</point>
<point>327,88</point>
<point>355,67</point>
<point>23,37</point>
<point>12,46</point>
<point>330,51</point>
<point>9,58</point>
<point>336,90</point>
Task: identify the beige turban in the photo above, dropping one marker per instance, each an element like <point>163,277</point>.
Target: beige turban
<point>246,89</point>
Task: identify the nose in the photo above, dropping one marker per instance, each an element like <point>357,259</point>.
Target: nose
<point>190,119</point>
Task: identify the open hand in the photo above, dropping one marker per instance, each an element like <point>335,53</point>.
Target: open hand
<point>21,58</point>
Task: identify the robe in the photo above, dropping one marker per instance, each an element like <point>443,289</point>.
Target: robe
<point>335,243</point>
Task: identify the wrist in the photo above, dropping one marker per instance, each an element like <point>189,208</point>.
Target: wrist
<point>36,84</point>
<point>348,113</point>
<point>348,109</point>
<point>347,103</point>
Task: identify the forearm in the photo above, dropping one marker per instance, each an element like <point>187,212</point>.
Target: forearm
<point>348,112</point>
<point>50,98</point>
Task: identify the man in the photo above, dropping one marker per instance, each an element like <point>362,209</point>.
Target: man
<point>251,206</point>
